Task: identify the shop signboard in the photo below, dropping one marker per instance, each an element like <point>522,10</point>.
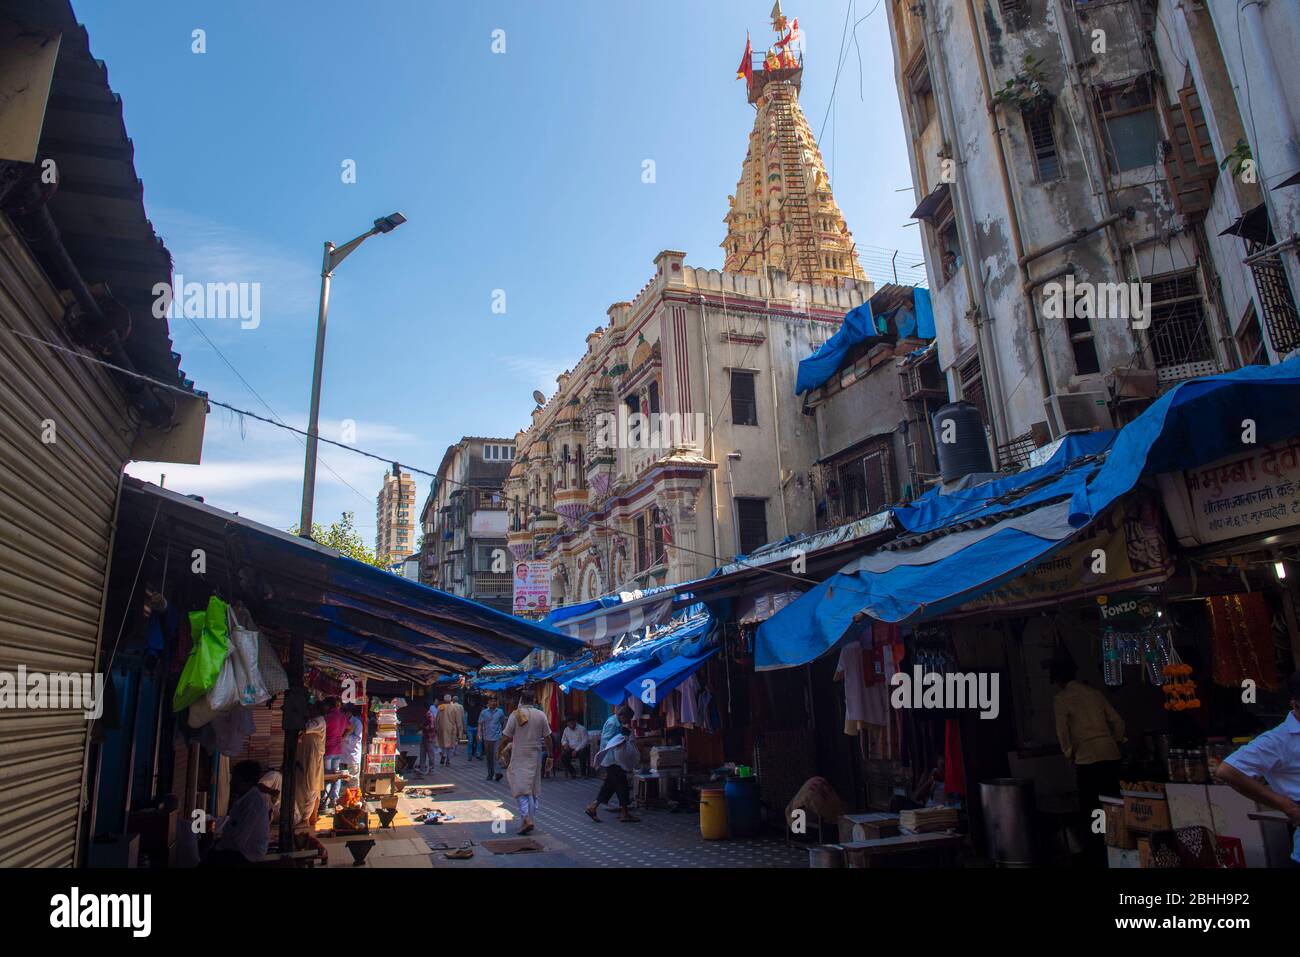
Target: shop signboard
<point>1249,494</point>
<point>532,588</point>
<point>1123,549</point>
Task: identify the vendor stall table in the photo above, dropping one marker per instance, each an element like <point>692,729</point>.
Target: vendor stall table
<point>905,850</point>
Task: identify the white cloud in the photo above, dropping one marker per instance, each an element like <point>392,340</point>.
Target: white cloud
<point>537,372</point>
<point>256,469</point>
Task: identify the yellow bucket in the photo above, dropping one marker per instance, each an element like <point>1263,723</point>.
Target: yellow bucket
<point>713,814</point>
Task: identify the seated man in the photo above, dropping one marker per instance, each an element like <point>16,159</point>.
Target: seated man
<point>245,834</point>
<point>574,741</point>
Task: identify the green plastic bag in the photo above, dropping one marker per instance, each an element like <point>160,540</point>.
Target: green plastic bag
<point>208,646</point>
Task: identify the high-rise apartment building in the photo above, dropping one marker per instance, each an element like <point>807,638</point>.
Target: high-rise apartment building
<point>395,518</point>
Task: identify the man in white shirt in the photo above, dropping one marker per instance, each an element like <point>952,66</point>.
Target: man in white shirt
<point>1274,756</point>
<point>574,741</point>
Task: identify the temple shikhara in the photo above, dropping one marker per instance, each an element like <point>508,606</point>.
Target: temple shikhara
<point>783,214</point>
<point>670,445</point>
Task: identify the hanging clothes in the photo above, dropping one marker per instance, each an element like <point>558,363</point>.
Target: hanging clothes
<point>690,692</point>
<point>851,669</point>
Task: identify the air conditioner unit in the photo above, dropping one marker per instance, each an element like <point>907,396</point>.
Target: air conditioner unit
<point>1077,411</point>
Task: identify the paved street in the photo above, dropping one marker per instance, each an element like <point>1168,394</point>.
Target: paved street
<point>661,839</point>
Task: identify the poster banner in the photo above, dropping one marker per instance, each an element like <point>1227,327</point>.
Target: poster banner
<point>1123,549</point>
<point>532,588</point>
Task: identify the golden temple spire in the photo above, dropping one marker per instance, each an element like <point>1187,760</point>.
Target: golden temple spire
<point>783,214</point>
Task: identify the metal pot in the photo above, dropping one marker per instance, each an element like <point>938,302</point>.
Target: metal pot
<point>826,855</point>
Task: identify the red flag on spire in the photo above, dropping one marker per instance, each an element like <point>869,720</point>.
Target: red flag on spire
<point>746,68</point>
<point>792,36</point>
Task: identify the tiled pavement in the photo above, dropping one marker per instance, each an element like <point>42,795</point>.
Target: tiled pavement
<point>661,839</point>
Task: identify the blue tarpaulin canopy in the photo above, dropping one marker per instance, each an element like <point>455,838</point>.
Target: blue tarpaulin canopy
<point>520,678</point>
<point>668,675</point>
<point>603,619</point>
<point>608,679</point>
<point>859,325</point>
<point>973,541</point>
<point>353,614</point>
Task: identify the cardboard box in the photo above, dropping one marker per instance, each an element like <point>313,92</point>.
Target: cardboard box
<point>1146,811</point>
<point>667,757</point>
<point>1118,834</point>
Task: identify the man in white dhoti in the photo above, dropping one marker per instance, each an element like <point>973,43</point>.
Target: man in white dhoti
<point>527,732</point>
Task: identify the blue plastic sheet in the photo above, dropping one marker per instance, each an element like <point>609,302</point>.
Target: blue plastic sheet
<point>1193,424</point>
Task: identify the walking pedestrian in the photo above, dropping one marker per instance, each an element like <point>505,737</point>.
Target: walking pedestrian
<point>527,732</point>
<point>449,726</point>
<point>473,707</point>
<point>618,758</point>
<point>428,731</point>
<point>491,722</point>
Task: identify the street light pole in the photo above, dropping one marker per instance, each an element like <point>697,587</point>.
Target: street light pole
<point>329,262</point>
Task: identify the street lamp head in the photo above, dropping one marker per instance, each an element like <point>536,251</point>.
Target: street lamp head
<point>386,224</point>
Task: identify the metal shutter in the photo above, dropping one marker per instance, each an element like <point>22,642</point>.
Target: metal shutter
<point>57,509</point>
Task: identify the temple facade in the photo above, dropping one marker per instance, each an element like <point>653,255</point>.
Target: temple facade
<point>676,442</point>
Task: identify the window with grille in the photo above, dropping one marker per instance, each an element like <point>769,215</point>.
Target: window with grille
<point>1042,140</point>
<point>972,386</point>
<point>642,546</point>
<point>1276,300</point>
<point>866,483</point>
<point>751,517</point>
<point>1250,341</point>
<point>1179,335</point>
<point>744,399</point>
<point>921,93</point>
<point>1130,132</point>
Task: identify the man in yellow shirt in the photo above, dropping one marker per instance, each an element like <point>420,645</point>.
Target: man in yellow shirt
<point>1090,732</point>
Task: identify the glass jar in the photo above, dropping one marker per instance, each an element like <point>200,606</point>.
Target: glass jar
<point>1176,765</point>
<point>1216,749</point>
<point>1196,766</point>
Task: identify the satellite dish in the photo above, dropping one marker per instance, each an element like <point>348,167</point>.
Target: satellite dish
<point>539,397</point>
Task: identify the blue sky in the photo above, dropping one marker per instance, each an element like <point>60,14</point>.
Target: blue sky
<point>518,171</point>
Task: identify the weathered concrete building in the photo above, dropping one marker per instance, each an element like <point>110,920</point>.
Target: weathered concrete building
<point>464,522</point>
<point>1066,160</point>
<point>873,415</point>
<point>676,437</point>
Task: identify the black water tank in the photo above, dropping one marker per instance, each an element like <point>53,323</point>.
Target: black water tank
<point>966,449</point>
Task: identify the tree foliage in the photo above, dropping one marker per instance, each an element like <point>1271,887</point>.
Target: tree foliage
<point>343,537</point>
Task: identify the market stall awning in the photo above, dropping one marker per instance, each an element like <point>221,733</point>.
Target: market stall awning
<point>966,544</point>
<point>599,622</point>
<point>381,623</point>
<point>668,675</point>
<point>520,678</point>
<point>608,679</point>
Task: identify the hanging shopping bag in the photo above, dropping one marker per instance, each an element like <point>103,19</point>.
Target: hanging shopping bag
<point>224,693</point>
<point>244,654</point>
<point>208,648</point>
